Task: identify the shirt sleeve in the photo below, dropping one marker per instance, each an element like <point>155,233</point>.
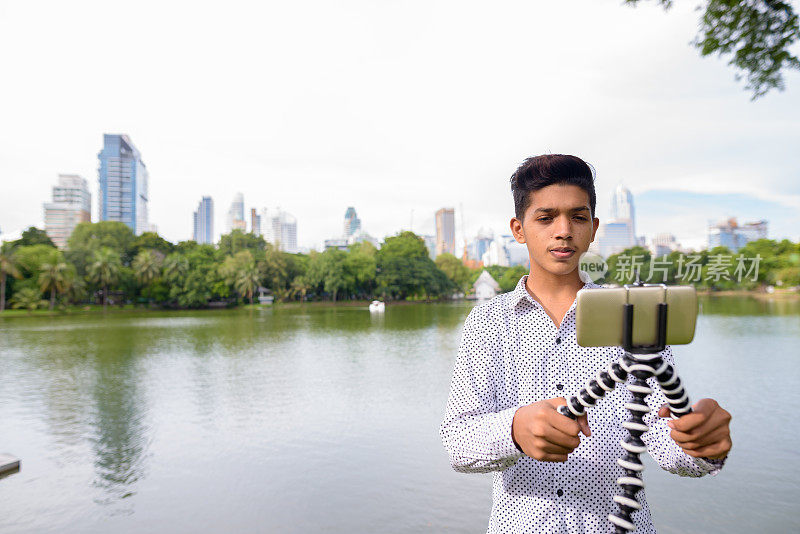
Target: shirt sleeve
<point>662,447</point>
<point>475,433</point>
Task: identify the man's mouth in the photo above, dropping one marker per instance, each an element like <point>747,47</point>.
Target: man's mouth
<point>562,252</point>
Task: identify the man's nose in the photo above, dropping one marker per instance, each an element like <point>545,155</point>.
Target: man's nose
<point>563,228</point>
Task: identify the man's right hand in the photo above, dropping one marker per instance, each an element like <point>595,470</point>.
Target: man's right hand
<point>544,434</point>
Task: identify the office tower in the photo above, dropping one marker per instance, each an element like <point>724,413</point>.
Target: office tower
<point>445,231</point>
<point>662,244</point>
<point>123,184</point>
<point>480,244</point>
<point>622,207</point>
<point>730,234</point>
<point>71,205</point>
<point>235,220</point>
<point>279,228</point>
<point>352,224</point>
<point>204,221</point>
<point>255,222</point>
<point>430,244</point>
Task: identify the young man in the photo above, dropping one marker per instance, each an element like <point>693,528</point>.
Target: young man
<point>519,359</point>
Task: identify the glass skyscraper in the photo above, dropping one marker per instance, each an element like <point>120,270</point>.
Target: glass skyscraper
<point>123,180</point>
<point>204,221</point>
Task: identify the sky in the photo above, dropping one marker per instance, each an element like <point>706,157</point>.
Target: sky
<point>397,108</point>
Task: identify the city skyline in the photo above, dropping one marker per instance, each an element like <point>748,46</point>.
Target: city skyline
<point>676,128</point>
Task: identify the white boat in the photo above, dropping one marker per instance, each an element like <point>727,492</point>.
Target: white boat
<point>377,306</point>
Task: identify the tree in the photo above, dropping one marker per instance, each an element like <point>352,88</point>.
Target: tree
<point>87,238</point>
<point>511,277</point>
<point>237,240</point>
<point>55,277</point>
<point>457,272</point>
<point>105,270</point>
<point>405,269</point>
<point>757,33</point>
<point>8,266</point>
<point>147,266</point>
<point>174,267</point>
<point>33,236</point>
<point>151,241</point>
<point>248,280</point>
<point>29,298</point>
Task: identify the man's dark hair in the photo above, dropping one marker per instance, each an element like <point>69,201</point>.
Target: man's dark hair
<point>540,171</point>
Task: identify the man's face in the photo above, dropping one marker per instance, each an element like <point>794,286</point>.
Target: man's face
<point>557,228</point>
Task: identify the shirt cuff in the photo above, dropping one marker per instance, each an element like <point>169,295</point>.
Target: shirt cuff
<point>506,448</point>
<point>711,466</point>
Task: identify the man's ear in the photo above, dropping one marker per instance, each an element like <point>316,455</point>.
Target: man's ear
<point>516,230</point>
<point>596,225</point>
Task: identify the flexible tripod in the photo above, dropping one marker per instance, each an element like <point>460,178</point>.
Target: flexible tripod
<point>641,362</point>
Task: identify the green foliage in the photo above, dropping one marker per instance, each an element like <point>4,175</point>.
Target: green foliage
<point>511,277</point>
<point>456,272</point>
<point>105,269</point>
<point>87,238</point>
<point>151,241</point>
<point>56,277</point>
<point>9,266</point>
<point>757,34</point>
<point>237,240</point>
<point>29,298</point>
<point>32,236</point>
<point>406,270</point>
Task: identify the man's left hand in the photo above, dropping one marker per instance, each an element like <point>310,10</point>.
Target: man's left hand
<point>703,433</point>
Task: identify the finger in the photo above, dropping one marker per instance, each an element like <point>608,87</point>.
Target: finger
<point>556,402</point>
<point>718,419</point>
<point>563,423</point>
<point>551,448</point>
<point>717,450</point>
<point>664,411</point>
<point>562,439</point>
<point>553,458</point>
<point>716,436</point>
<point>688,422</point>
<point>583,423</point>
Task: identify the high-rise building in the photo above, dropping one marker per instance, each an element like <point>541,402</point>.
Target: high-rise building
<point>204,221</point>
<point>255,222</point>
<point>279,228</point>
<point>123,184</point>
<point>622,207</point>
<point>71,205</point>
<point>730,234</point>
<point>352,224</point>
<point>445,231</point>
<point>619,232</point>
<point>480,244</point>
<point>663,244</point>
<point>235,220</point>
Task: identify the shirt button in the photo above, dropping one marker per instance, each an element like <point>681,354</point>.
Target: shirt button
<point>559,386</point>
<point>560,493</point>
<point>558,340</point>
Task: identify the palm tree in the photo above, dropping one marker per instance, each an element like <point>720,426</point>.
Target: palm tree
<point>147,266</point>
<point>54,277</point>
<point>27,297</point>
<point>175,267</point>
<point>247,280</point>
<point>8,265</point>
<point>104,270</point>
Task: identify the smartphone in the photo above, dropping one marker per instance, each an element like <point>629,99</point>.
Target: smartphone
<point>599,314</point>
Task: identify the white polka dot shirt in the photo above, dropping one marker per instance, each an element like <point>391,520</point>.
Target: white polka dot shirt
<point>512,354</point>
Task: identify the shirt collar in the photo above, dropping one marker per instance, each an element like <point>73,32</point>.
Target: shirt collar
<point>520,293</point>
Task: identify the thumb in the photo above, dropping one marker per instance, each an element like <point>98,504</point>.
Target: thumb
<point>664,411</point>
<point>583,423</point>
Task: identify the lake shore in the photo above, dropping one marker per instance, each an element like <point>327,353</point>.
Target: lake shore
<point>130,308</point>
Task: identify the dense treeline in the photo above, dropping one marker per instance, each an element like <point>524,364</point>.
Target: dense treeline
<point>758,264</point>
<point>106,263</point>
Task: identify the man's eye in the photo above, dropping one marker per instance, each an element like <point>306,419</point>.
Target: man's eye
<point>544,218</point>
<point>580,218</point>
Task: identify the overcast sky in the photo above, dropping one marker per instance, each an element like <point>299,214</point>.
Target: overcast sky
<point>390,107</point>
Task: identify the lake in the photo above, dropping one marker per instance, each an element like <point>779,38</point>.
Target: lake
<point>298,419</point>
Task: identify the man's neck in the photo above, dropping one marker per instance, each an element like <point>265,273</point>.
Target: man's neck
<point>545,286</point>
